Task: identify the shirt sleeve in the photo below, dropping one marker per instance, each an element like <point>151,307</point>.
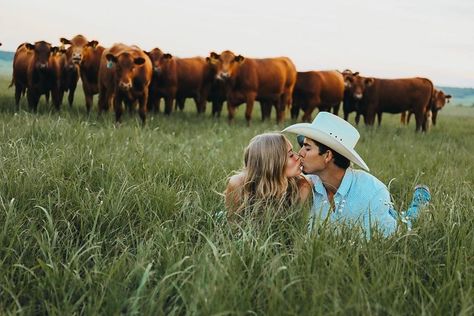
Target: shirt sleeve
<point>379,214</point>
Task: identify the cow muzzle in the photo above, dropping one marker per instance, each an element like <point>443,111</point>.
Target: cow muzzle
<point>223,76</point>
<point>157,70</point>
<point>358,96</point>
<point>125,85</point>
<point>42,66</point>
<point>76,58</point>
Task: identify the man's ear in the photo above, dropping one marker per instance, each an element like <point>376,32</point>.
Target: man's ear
<point>329,156</point>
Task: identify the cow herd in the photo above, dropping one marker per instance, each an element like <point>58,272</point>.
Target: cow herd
<point>127,76</point>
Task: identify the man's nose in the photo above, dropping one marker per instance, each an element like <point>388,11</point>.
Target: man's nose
<point>301,153</point>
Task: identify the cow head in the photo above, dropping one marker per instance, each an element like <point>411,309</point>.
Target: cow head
<point>125,66</point>
<point>42,51</point>
<point>439,100</point>
<point>346,74</point>
<point>158,59</point>
<point>357,85</point>
<point>226,63</point>
<point>79,48</point>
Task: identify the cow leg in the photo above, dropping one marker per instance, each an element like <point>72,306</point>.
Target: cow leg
<point>230,112</point>
<point>142,102</point>
<point>56,99</point>
<point>335,109</point>
<point>357,119</point>
<point>216,108</point>
<point>266,110</point>
<point>249,108</point>
<point>434,114</point>
<point>295,111</point>
<point>169,104</point>
<point>379,118</point>
<point>118,108</point>
<point>180,103</point>
<point>419,121</point>
<point>409,116</point>
<point>70,97</point>
<point>89,102</point>
<point>18,92</point>
<point>403,118</point>
<point>33,99</point>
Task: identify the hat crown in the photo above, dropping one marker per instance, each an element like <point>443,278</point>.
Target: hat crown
<point>337,128</point>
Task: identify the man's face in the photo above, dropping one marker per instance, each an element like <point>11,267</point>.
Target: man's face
<point>312,161</point>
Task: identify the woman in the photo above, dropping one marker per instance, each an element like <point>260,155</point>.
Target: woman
<point>271,177</point>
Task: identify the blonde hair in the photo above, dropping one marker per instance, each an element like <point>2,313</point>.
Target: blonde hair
<point>265,182</point>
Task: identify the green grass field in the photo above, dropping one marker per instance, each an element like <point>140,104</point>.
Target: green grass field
<point>99,220</point>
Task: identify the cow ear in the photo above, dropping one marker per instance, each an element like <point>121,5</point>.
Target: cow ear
<point>65,41</point>
<point>369,81</point>
<point>93,44</point>
<point>239,58</point>
<point>355,73</point>
<point>111,58</point>
<point>167,56</point>
<point>214,55</point>
<point>139,61</point>
<point>448,96</point>
<point>30,46</point>
<point>54,50</point>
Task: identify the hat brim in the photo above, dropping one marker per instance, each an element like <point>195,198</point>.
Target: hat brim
<point>310,131</point>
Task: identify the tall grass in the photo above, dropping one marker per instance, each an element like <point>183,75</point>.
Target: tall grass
<point>98,220</point>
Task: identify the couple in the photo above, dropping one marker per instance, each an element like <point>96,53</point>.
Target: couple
<point>272,177</point>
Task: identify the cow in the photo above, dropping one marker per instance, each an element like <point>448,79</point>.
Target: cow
<point>438,101</point>
<point>349,104</point>
<point>179,78</point>
<point>125,74</point>
<point>317,89</point>
<point>87,55</point>
<point>36,71</point>
<point>68,74</point>
<point>392,96</point>
<point>269,81</point>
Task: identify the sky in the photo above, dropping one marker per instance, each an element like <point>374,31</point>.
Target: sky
<point>384,39</point>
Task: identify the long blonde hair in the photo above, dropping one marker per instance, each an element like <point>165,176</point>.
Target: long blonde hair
<point>265,182</point>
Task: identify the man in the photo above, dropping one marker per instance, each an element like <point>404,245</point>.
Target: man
<point>342,194</point>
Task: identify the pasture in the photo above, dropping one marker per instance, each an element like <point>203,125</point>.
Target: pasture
<point>99,220</point>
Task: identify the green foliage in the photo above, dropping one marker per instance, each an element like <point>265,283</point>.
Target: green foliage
<point>99,220</point>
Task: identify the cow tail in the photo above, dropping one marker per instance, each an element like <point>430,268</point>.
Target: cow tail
<point>12,82</point>
<point>428,107</point>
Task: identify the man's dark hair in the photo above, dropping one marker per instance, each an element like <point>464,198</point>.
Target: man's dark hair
<point>339,160</point>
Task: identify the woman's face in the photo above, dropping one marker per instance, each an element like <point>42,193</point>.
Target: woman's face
<point>293,164</point>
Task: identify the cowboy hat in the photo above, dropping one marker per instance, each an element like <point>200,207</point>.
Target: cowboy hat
<point>334,132</point>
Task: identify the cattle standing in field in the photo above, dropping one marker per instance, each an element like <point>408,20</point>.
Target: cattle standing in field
<point>349,103</point>
<point>269,81</point>
<point>68,74</point>
<point>317,89</point>
<point>392,96</point>
<point>124,76</point>
<point>36,70</point>
<point>87,55</point>
<point>438,101</point>
<point>179,78</point>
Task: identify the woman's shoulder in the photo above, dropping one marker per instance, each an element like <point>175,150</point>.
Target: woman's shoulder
<point>236,180</point>
<point>305,188</point>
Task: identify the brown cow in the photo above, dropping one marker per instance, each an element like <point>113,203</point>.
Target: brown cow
<point>87,55</point>
<point>438,101</point>
<point>392,96</point>
<point>349,104</point>
<point>317,89</point>
<point>68,74</point>
<point>36,71</point>
<point>125,75</point>
<point>179,78</point>
<point>269,81</point>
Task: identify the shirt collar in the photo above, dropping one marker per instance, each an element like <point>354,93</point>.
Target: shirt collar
<point>346,182</point>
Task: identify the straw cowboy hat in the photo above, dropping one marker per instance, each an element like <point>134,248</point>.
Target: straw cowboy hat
<point>332,131</point>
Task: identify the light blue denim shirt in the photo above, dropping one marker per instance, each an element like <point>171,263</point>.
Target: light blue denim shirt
<point>361,199</point>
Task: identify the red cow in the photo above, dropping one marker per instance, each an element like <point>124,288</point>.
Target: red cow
<point>36,71</point>
<point>392,96</point>
<point>269,81</point>
<point>179,78</point>
<point>87,55</point>
<point>124,76</point>
<point>438,101</point>
<point>317,89</point>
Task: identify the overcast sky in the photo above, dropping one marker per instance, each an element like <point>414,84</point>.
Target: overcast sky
<point>388,39</point>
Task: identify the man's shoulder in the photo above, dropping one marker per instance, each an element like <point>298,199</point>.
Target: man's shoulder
<point>367,182</point>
